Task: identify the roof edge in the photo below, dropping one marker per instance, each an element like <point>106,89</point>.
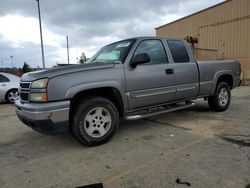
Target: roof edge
<point>226,1</point>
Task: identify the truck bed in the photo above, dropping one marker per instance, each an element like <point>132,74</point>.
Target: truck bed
<point>208,75</point>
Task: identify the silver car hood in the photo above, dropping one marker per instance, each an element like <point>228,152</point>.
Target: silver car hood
<point>56,71</point>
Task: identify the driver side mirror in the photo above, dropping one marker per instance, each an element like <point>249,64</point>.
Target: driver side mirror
<point>141,58</point>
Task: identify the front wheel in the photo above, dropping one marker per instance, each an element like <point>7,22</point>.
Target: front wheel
<point>11,95</point>
<point>221,99</point>
<point>95,121</point>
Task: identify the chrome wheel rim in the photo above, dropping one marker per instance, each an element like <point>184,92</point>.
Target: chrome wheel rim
<point>13,95</point>
<point>223,97</point>
<point>97,122</point>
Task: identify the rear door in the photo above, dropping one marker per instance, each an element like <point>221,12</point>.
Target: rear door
<point>151,83</point>
<point>185,69</point>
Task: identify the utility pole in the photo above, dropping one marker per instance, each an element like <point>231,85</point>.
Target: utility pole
<point>41,34</point>
<point>67,38</point>
<point>76,53</point>
<point>11,59</point>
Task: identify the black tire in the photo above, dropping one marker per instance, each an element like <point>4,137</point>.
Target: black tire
<point>214,101</point>
<point>80,124</point>
<point>8,95</point>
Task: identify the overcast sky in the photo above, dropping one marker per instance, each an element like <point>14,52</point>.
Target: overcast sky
<point>90,24</point>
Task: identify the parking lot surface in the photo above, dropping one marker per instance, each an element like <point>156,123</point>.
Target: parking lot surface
<point>196,147</point>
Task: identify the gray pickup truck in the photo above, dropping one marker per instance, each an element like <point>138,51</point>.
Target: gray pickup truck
<point>130,79</point>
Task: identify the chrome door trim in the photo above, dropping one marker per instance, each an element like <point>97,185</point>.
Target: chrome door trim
<point>184,89</point>
<point>152,92</point>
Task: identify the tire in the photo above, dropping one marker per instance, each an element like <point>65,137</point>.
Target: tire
<point>11,95</point>
<point>221,99</point>
<point>95,121</point>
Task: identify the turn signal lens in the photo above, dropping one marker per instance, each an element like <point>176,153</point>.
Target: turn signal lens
<point>38,97</point>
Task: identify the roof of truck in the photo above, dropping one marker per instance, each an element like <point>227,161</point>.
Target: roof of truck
<point>146,37</point>
<point>152,37</point>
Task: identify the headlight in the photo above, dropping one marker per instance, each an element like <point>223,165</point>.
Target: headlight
<point>40,83</point>
<point>38,97</point>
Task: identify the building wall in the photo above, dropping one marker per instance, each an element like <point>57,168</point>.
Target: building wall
<point>224,28</point>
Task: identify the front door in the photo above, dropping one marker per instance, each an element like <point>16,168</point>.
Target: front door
<point>151,83</point>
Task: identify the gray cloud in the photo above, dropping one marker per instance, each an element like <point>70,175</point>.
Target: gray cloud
<point>27,52</point>
<point>86,21</point>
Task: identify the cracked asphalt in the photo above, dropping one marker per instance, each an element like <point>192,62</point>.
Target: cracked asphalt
<point>190,148</point>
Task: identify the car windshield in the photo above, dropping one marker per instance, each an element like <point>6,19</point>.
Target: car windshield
<point>112,53</point>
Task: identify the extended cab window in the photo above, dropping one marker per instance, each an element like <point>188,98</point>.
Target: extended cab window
<point>178,51</point>
<point>155,50</point>
<point>3,78</point>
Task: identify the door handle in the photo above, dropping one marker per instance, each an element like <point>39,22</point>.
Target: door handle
<point>169,71</point>
<point>3,85</point>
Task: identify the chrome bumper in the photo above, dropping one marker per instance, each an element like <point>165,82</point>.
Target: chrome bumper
<point>48,118</point>
<point>54,111</point>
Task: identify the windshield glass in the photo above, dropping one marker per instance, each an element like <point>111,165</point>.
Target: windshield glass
<point>112,53</point>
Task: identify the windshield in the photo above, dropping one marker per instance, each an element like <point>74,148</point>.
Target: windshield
<point>112,53</point>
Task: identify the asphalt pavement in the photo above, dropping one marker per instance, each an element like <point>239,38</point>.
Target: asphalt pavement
<point>195,147</point>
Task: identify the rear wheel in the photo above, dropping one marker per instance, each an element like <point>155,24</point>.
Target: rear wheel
<point>95,121</point>
<point>11,95</point>
<point>221,99</point>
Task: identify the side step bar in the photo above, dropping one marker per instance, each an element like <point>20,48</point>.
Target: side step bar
<point>157,111</point>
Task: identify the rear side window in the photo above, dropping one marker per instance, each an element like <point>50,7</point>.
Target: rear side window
<point>155,50</point>
<point>178,51</point>
<point>3,78</point>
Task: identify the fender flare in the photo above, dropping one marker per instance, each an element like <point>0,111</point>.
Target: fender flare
<point>217,75</point>
<point>87,86</point>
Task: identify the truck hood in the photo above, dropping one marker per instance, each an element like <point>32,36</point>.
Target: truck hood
<point>56,71</point>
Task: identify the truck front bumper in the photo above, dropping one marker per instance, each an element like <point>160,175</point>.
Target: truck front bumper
<point>47,118</point>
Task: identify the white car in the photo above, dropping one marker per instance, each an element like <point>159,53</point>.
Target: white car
<point>9,84</point>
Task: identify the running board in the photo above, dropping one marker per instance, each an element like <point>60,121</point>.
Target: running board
<point>156,111</point>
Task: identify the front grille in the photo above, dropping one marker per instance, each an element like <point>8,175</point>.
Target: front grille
<point>24,91</point>
<point>24,96</point>
<point>24,85</point>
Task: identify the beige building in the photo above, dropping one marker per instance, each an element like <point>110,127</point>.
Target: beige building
<point>223,32</point>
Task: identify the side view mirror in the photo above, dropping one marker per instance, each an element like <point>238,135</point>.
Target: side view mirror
<point>141,58</point>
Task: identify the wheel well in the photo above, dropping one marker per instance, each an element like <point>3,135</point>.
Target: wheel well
<point>107,92</point>
<point>5,96</point>
<point>226,78</point>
